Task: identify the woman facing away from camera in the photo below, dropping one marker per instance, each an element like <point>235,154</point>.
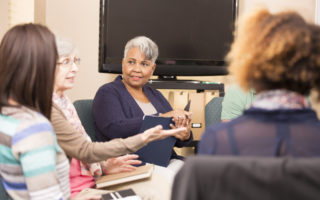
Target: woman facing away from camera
<point>278,55</point>
<point>90,159</point>
<point>32,165</point>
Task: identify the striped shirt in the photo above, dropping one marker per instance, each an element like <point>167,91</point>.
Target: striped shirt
<point>32,165</point>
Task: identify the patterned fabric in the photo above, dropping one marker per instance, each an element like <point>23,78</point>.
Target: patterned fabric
<point>32,165</point>
<point>281,99</point>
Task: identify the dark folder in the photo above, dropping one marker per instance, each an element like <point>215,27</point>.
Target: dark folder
<point>157,152</point>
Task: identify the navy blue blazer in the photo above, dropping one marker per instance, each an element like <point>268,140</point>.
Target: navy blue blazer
<point>117,115</point>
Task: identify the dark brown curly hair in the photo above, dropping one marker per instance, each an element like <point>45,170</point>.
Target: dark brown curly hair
<point>276,51</point>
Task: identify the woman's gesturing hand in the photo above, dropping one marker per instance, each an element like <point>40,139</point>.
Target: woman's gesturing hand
<point>182,121</point>
<point>157,133</point>
<point>120,164</point>
<point>181,118</point>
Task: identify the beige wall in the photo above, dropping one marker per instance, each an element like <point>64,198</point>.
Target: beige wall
<point>317,8</point>
<point>306,7</point>
<point>4,17</point>
<point>21,11</point>
<point>79,21</point>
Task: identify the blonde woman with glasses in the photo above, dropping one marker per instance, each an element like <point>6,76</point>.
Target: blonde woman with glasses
<point>89,159</point>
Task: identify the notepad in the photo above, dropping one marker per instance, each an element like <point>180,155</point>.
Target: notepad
<point>141,172</point>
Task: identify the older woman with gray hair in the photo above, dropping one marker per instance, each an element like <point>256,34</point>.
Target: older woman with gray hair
<point>89,159</point>
<point>120,106</point>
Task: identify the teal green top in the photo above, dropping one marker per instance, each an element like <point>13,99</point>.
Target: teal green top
<point>235,102</point>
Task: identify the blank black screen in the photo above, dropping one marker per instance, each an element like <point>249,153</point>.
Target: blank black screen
<point>187,32</point>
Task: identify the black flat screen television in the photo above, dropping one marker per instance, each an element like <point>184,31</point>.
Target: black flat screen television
<point>193,36</point>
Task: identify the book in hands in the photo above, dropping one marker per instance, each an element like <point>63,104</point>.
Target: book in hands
<point>121,194</point>
<point>141,172</point>
<point>157,152</point>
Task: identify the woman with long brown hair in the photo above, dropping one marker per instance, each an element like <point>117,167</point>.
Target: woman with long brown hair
<point>32,165</point>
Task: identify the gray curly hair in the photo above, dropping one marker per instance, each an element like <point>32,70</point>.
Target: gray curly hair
<point>146,45</point>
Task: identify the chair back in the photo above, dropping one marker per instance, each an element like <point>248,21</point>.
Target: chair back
<point>213,111</point>
<point>243,178</point>
<point>84,110</point>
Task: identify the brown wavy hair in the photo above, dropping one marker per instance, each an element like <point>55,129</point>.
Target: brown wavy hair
<point>276,51</point>
<point>28,57</point>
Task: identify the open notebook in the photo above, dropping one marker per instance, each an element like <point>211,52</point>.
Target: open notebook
<point>141,172</point>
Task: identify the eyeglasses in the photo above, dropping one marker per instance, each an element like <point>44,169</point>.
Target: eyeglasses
<point>143,63</point>
<point>69,61</point>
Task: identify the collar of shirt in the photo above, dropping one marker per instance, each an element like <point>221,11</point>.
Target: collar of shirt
<point>280,99</point>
